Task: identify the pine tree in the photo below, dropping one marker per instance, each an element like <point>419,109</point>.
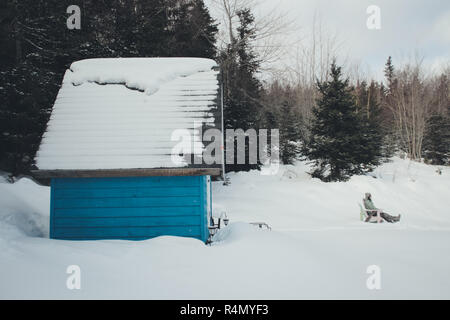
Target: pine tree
<point>338,142</point>
<point>242,89</point>
<point>192,30</point>
<point>372,132</point>
<point>389,72</point>
<point>28,77</point>
<point>391,135</point>
<point>436,143</point>
<point>289,134</point>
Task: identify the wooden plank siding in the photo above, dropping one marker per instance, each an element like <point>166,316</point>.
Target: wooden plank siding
<point>132,208</point>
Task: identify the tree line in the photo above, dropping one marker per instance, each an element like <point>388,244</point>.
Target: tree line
<point>354,126</point>
<point>344,127</point>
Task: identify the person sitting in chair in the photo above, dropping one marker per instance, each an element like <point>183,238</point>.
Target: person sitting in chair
<point>373,211</point>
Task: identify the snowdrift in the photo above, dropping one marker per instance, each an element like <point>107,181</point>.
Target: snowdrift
<point>24,208</point>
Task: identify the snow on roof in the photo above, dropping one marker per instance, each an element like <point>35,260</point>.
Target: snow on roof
<point>120,113</point>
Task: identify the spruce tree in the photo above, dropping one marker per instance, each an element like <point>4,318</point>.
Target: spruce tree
<point>242,88</point>
<point>289,134</point>
<point>372,133</point>
<point>338,140</point>
<point>192,31</point>
<point>389,72</point>
<point>32,48</point>
<point>391,135</point>
<point>436,144</point>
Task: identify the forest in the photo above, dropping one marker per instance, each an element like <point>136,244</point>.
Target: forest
<point>344,125</point>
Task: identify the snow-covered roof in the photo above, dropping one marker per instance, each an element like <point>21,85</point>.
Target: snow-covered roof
<point>120,113</point>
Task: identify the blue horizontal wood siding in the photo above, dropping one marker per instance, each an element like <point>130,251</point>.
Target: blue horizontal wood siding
<point>131,208</point>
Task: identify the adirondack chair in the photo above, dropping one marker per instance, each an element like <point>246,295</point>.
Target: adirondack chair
<point>364,214</point>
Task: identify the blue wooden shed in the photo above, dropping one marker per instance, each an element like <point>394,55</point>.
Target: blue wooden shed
<point>114,152</point>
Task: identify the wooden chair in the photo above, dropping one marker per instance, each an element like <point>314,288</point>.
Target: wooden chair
<point>365,213</point>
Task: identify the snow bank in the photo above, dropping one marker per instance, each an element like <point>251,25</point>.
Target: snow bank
<point>24,209</point>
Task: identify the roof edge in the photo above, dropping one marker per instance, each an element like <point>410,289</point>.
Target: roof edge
<point>116,173</point>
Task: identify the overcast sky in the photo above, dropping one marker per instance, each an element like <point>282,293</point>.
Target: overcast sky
<point>407,26</point>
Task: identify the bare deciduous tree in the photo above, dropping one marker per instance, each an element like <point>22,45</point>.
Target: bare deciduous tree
<point>272,28</point>
<point>308,63</point>
<point>410,101</point>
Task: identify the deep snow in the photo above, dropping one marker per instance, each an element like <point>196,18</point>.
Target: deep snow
<point>317,248</point>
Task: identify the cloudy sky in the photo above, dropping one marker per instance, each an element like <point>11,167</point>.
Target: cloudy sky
<point>407,27</point>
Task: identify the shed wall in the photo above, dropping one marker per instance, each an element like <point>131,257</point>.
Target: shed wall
<point>132,208</point>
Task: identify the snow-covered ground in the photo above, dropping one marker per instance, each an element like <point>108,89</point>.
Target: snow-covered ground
<point>318,247</point>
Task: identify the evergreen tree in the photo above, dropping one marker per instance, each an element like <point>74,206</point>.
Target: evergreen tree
<point>391,135</point>
<point>22,115</point>
<point>370,114</point>
<point>389,72</point>
<point>242,89</point>
<point>436,143</point>
<point>289,134</point>
<point>192,30</point>
<point>28,77</point>
<point>338,140</point>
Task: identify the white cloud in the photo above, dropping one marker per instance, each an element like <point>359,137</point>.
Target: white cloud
<point>441,28</point>
<point>406,26</point>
